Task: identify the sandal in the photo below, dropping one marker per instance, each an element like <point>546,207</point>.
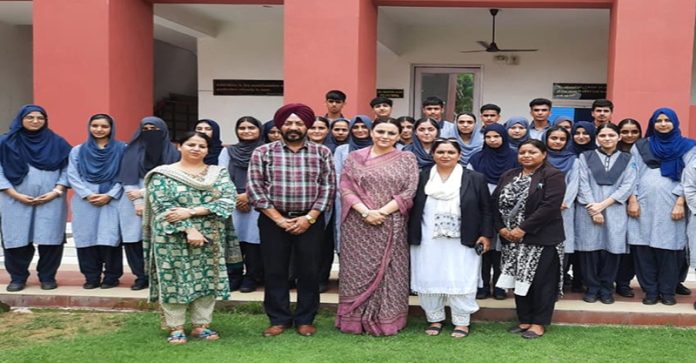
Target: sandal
<point>205,333</point>
<point>459,333</point>
<point>177,337</point>
<point>433,329</point>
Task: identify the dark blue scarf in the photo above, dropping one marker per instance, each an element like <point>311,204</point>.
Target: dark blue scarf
<point>494,162</point>
<point>331,141</point>
<point>42,149</point>
<point>670,147</point>
<point>101,166</point>
<point>357,144</point>
<point>562,160</point>
<point>215,146</point>
<point>424,157</point>
<point>147,150</point>
<point>512,121</point>
<point>591,130</point>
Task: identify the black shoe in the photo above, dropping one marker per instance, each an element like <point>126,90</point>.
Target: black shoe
<point>589,298</point>
<point>625,292</point>
<point>483,293</point>
<point>90,285</point>
<point>683,290</point>
<point>531,335</point>
<point>516,329</point>
<point>140,285</point>
<point>649,300</point>
<point>15,286</point>
<point>49,285</point>
<point>607,300</point>
<point>323,288</point>
<point>499,294</point>
<point>669,300</point>
<point>105,285</point>
<point>247,285</point>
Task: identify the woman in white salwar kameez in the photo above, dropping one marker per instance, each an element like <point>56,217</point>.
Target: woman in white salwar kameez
<point>452,214</point>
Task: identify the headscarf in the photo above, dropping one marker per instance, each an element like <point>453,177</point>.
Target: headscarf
<point>425,158</point>
<point>267,127</point>
<point>474,145</point>
<point>669,147</point>
<point>240,154</point>
<point>560,119</point>
<point>331,141</point>
<point>355,143</point>
<point>591,130</point>
<point>147,150</point>
<point>515,143</point>
<point>494,162</point>
<point>42,149</point>
<point>97,165</point>
<point>304,112</point>
<point>215,146</point>
<point>562,160</point>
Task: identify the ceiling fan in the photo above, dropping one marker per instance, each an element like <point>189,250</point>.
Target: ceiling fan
<point>492,47</point>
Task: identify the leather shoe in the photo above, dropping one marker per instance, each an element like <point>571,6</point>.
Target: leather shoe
<point>49,285</point>
<point>274,330</point>
<point>499,294</point>
<point>668,300</point>
<point>140,285</point>
<point>683,290</point>
<point>625,292</point>
<point>90,285</point>
<point>589,298</point>
<point>323,288</point>
<point>248,285</point>
<point>482,293</point>
<point>105,285</point>
<point>306,330</point>
<point>649,300</point>
<point>15,286</point>
<point>607,300</point>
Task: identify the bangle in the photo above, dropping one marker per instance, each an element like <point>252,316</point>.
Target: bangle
<point>58,191</point>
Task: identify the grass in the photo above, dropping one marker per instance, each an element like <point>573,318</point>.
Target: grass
<point>77,336</point>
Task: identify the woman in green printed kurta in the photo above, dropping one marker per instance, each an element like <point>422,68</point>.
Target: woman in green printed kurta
<point>189,238</point>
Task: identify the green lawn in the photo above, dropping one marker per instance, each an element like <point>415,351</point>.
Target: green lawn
<point>59,336</point>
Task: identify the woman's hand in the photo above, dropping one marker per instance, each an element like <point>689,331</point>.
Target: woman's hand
<point>485,242</point>
<point>24,199</point>
<point>633,208</point>
<point>564,206</point>
<point>505,234</point>
<point>517,234</point>
<point>595,208</point>
<point>47,197</point>
<point>374,217</point>
<point>178,214</point>
<point>195,238</point>
<point>598,218</point>
<point>139,209</point>
<point>678,212</point>
<point>243,203</point>
<point>98,200</point>
<point>134,194</point>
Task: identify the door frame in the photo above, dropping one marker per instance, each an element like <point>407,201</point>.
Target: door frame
<point>418,68</point>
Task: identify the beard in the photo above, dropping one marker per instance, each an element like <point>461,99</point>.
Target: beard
<point>293,135</point>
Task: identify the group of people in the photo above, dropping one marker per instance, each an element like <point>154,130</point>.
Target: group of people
<point>451,211</point>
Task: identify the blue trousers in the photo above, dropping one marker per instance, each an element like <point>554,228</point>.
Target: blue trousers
<point>657,270</point>
<point>17,261</point>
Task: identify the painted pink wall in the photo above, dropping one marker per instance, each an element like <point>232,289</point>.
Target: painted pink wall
<point>330,45</point>
<point>93,56</point>
<point>650,58</point>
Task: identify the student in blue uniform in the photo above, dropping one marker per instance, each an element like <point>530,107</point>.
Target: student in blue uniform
<point>92,173</point>
<point>150,147</point>
<point>33,179</point>
<point>658,234</point>
<point>607,180</point>
<point>212,129</point>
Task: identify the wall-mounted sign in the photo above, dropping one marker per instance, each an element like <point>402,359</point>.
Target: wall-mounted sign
<point>247,87</point>
<point>579,91</point>
<point>390,93</point>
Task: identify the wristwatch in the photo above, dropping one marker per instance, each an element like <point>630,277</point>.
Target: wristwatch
<point>310,219</point>
<point>365,214</point>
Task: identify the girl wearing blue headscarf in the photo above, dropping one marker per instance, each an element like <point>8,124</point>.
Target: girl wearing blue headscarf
<point>150,147</point>
<point>92,173</point>
<point>584,137</point>
<point>469,136</point>
<point>426,131</point>
<point>270,132</point>
<point>560,156</point>
<point>518,130</point>
<point>658,234</point>
<point>33,177</point>
<point>212,129</point>
<point>359,128</point>
<point>495,158</point>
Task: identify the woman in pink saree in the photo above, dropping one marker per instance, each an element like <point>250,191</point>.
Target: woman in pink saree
<point>377,187</point>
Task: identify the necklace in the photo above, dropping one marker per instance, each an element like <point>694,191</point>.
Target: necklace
<point>194,172</point>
